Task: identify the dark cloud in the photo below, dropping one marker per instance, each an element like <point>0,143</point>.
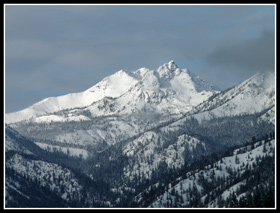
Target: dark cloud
<point>243,59</point>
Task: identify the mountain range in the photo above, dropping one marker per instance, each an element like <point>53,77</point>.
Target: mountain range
<point>137,132</point>
<point>168,89</point>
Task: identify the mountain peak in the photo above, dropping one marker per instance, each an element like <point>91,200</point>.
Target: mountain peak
<point>261,80</point>
<point>168,70</point>
<point>172,65</point>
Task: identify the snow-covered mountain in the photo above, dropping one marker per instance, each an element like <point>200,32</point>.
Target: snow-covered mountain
<point>211,186</point>
<point>137,139</point>
<point>126,104</point>
<point>244,177</point>
<point>169,88</point>
<point>112,86</point>
<point>37,178</point>
<point>255,95</point>
<point>153,149</point>
<point>123,105</point>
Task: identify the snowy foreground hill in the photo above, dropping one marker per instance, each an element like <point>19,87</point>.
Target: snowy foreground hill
<point>147,138</point>
<point>232,181</point>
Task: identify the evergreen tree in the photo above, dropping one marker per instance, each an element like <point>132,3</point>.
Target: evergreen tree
<point>234,201</point>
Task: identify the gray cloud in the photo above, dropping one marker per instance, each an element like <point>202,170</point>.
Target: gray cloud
<point>243,59</point>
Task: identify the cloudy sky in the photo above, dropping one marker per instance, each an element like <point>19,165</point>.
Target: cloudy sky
<point>52,50</point>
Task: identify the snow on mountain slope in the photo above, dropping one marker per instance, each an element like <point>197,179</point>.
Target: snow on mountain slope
<point>153,149</point>
<point>170,70</point>
<point>14,141</point>
<point>54,176</point>
<point>11,142</point>
<point>76,152</point>
<point>112,86</point>
<point>251,96</point>
<point>212,184</point>
<point>269,116</point>
<point>169,87</point>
